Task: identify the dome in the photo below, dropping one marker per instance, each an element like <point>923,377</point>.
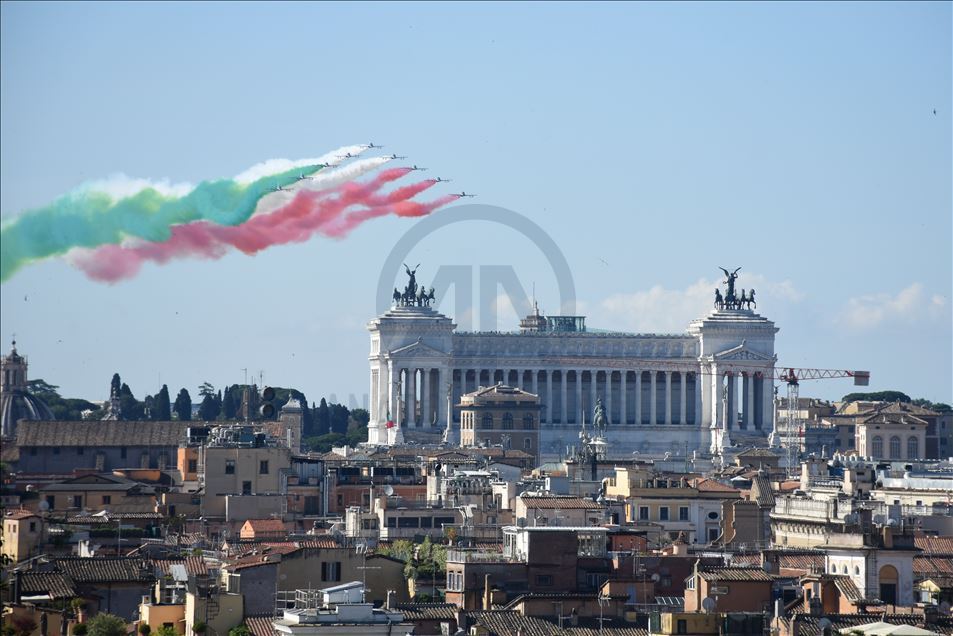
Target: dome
<point>21,405</point>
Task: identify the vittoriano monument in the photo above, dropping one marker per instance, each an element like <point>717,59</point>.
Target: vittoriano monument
<point>656,393</point>
<point>730,300</point>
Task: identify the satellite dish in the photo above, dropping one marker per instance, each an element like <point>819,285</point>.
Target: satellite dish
<point>708,604</point>
<point>437,467</point>
<point>44,506</point>
<point>389,490</point>
<point>656,577</point>
<point>945,607</point>
<point>824,624</point>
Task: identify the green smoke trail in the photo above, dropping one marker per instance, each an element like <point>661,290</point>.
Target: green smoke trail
<point>91,218</point>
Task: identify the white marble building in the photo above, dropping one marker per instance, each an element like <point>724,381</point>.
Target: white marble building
<point>662,392</point>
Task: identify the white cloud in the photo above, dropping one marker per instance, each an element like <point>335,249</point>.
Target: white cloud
<point>910,305</point>
<point>670,310</point>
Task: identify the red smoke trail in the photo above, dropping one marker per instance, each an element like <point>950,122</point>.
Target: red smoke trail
<point>397,208</point>
<point>309,212</point>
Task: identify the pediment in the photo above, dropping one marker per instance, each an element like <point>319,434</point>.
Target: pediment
<point>741,352</point>
<point>418,350</point>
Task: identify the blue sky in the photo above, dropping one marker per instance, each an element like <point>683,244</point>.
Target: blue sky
<point>795,140</point>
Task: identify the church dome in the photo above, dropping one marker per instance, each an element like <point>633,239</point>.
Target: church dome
<point>16,403</point>
<point>21,405</point>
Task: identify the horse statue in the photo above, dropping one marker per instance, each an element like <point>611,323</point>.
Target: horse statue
<point>743,300</point>
<point>430,297</point>
<point>397,296</point>
<point>599,420</point>
<point>751,300</point>
<point>421,296</point>
<point>719,301</point>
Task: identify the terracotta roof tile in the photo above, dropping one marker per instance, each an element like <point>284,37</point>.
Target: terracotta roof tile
<point>556,502</point>
<point>100,433</point>
<point>56,584</point>
<point>260,625</point>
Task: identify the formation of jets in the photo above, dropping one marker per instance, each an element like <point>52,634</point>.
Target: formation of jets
<point>278,188</point>
<point>370,146</point>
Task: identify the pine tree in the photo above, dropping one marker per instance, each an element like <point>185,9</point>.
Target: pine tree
<point>163,411</point>
<point>229,402</point>
<point>324,418</point>
<point>115,385</point>
<point>183,405</point>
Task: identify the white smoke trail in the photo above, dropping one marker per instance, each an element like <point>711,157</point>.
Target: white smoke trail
<point>119,186</point>
<point>327,178</point>
<point>274,166</point>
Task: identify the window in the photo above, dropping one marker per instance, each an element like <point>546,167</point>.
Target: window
<point>544,580</point>
<point>690,584</point>
<point>527,444</point>
<point>51,501</point>
<point>229,466</point>
<point>56,450</point>
<point>122,452</point>
<point>33,451</point>
<point>80,450</point>
<point>107,499</point>
<point>487,421</point>
<point>844,569</point>
<point>330,570</point>
<point>856,570</point>
<point>246,487</point>
<point>877,446</point>
<point>681,626</point>
<point>643,513</point>
<point>712,534</point>
<point>507,421</point>
<point>913,448</point>
<point>263,467</point>
<point>77,501</point>
<point>193,465</point>
<point>528,421</point>
<point>683,513</point>
<point>33,526</point>
<point>712,515</point>
<point>894,447</point>
<point>663,513</point>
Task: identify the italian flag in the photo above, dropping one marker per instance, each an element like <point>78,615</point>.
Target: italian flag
<point>390,422</point>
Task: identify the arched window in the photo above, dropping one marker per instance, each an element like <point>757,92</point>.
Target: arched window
<point>856,570</point>
<point>913,448</point>
<point>528,421</point>
<point>844,569</point>
<point>527,444</point>
<point>877,447</point>
<point>894,447</point>
<point>487,422</point>
<point>507,421</point>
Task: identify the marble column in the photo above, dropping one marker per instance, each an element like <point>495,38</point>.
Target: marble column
<point>697,393</point>
<point>653,398</point>
<point>580,407</point>
<point>767,401</point>
<point>609,395</point>
<point>442,396</point>
<point>425,418</point>
<point>535,382</point>
<point>732,403</point>
<point>549,396</point>
<point>623,410</point>
<point>715,396</point>
<point>593,390</point>
<point>682,398</point>
<point>563,393</point>
<point>749,402</point>
<point>668,397</point>
<point>411,397</point>
<point>638,396</point>
<point>391,391</point>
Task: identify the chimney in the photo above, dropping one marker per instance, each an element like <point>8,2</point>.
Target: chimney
<point>887,534</point>
<point>390,599</point>
<point>487,596</point>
